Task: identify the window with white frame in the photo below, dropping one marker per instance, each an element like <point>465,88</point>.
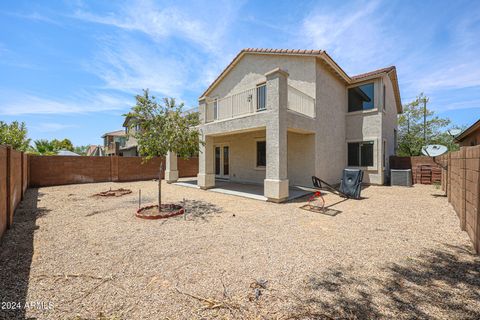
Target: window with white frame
<point>360,154</point>
<point>261,97</point>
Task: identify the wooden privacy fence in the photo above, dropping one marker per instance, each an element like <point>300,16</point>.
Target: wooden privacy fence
<point>424,169</point>
<point>13,183</point>
<point>461,181</point>
<point>60,170</point>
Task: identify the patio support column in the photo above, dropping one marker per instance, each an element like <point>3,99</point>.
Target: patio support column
<point>171,169</point>
<point>276,179</point>
<point>206,173</point>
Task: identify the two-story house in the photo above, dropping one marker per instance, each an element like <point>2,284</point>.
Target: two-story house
<point>131,146</point>
<point>277,117</point>
<point>113,142</point>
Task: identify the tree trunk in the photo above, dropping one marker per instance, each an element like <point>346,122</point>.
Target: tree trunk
<point>160,186</point>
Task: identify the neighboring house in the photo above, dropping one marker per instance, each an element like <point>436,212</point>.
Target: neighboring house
<point>113,142</point>
<point>66,153</point>
<point>470,136</point>
<point>131,146</point>
<point>95,151</point>
<point>277,117</point>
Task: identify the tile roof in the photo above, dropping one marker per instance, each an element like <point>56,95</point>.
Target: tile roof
<point>373,73</point>
<point>288,51</point>
<point>465,133</point>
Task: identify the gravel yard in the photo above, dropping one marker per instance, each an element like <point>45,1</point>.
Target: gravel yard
<point>398,253</point>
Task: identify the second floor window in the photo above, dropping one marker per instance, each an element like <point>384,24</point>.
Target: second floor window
<point>261,97</point>
<point>361,98</point>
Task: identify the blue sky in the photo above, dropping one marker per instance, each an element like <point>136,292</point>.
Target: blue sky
<point>70,69</point>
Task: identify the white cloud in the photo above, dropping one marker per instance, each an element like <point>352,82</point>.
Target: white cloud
<point>353,34</point>
<point>21,104</point>
<point>51,126</point>
<point>129,66</point>
<point>145,16</point>
<point>188,46</point>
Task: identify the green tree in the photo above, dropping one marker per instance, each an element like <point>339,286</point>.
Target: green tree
<point>81,150</point>
<point>15,135</point>
<point>64,144</point>
<point>164,128</point>
<point>43,147</point>
<point>417,122</point>
<point>49,148</point>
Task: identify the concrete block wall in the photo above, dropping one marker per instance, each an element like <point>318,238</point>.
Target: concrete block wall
<point>416,164</point>
<point>13,183</point>
<point>461,181</point>
<point>3,190</point>
<point>61,170</point>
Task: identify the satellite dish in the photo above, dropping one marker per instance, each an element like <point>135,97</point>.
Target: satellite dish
<point>454,132</point>
<point>434,150</point>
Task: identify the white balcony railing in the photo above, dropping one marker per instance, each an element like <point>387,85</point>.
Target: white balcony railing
<point>254,100</point>
<point>241,103</point>
<point>300,102</point>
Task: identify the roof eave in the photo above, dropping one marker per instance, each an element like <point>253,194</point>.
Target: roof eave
<point>468,131</point>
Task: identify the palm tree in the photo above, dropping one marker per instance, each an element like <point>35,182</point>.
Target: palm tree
<point>44,147</point>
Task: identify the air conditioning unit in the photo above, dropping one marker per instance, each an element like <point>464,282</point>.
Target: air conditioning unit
<point>401,177</point>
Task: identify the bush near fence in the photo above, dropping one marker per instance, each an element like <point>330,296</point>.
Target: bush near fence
<point>424,169</point>
<point>13,183</point>
<point>461,181</point>
<point>61,170</point>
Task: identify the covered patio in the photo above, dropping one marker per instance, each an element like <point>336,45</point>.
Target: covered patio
<point>246,190</point>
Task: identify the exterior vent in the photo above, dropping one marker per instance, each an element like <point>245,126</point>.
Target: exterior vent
<point>401,177</point>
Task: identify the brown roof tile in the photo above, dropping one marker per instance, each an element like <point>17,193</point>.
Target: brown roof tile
<point>373,73</point>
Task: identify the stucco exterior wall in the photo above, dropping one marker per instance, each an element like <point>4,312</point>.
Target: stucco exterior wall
<point>389,122</point>
<point>243,156</point>
<point>301,155</point>
<point>129,152</point>
<point>251,70</point>
<point>367,126</point>
<point>330,126</point>
<point>301,151</point>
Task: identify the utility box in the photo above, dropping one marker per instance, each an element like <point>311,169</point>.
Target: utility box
<point>401,177</point>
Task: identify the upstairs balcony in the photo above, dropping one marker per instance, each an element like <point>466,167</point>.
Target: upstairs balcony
<point>254,100</point>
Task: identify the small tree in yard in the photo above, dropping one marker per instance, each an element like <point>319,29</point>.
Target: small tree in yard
<point>163,128</point>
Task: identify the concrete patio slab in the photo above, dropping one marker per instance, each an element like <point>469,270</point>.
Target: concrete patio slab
<point>246,190</point>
